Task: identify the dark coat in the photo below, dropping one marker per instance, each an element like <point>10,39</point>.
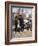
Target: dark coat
<point>21,22</point>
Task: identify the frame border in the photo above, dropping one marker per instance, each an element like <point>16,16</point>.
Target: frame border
<point>7,21</point>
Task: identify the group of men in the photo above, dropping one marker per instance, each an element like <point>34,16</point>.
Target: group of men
<point>21,24</point>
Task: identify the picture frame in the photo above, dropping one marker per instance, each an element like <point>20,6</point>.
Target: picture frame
<point>9,5</point>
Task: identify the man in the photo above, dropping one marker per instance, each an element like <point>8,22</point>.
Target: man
<point>30,25</point>
<point>21,22</point>
<point>16,23</point>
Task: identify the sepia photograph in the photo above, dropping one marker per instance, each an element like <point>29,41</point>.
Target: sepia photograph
<point>21,22</point>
